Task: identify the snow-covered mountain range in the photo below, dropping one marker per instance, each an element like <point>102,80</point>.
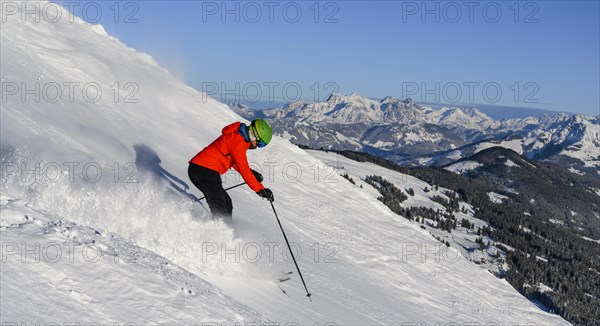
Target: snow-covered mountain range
<point>414,135</point>
<point>101,179</point>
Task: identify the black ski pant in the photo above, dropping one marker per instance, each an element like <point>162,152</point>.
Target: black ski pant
<point>209,182</point>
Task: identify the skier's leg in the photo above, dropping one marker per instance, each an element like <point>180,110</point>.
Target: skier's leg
<point>209,182</point>
<point>218,199</point>
<point>227,204</point>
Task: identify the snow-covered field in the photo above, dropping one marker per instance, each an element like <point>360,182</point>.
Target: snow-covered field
<point>134,248</point>
<point>496,198</point>
<point>462,167</point>
<point>516,145</point>
<point>461,239</point>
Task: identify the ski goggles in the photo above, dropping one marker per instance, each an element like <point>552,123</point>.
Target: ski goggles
<point>254,136</point>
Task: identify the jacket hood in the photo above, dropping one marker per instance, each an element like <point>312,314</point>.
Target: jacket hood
<point>231,128</point>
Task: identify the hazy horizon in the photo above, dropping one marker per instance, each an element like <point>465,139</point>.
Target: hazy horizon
<point>497,112</point>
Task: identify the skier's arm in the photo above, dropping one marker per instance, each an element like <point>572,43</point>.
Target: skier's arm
<point>240,164</point>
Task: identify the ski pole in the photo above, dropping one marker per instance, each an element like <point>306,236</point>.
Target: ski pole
<point>291,252</point>
<point>243,183</point>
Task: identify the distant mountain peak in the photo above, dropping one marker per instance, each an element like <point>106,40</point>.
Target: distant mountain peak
<point>239,105</point>
<point>335,98</point>
<point>387,99</point>
<point>471,111</point>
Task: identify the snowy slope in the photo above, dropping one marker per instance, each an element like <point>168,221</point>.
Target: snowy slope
<point>461,239</point>
<point>462,166</point>
<point>572,142</point>
<point>575,136</point>
<point>469,118</point>
<point>81,274</point>
<point>358,274</point>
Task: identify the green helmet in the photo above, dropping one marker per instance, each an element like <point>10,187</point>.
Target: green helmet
<point>262,131</point>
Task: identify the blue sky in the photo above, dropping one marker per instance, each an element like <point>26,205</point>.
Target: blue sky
<point>543,54</point>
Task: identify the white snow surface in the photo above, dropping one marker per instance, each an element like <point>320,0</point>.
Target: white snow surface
<point>511,164</point>
<point>185,268</point>
<point>496,198</point>
<point>461,239</point>
<point>80,274</point>
<point>544,288</point>
<point>462,167</point>
<point>590,239</point>
<point>515,145</point>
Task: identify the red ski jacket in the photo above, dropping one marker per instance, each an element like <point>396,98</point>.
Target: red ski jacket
<point>227,151</point>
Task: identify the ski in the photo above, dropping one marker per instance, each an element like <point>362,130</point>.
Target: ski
<point>284,277</point>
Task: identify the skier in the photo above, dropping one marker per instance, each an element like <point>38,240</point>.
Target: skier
<point>229,150</point>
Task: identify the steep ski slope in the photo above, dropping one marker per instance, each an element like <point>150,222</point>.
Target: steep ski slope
<point>358,274</point>
<point>85,275</point>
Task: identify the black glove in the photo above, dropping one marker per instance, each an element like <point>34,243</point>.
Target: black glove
<point>258,176</point>
<point>266,193</point>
